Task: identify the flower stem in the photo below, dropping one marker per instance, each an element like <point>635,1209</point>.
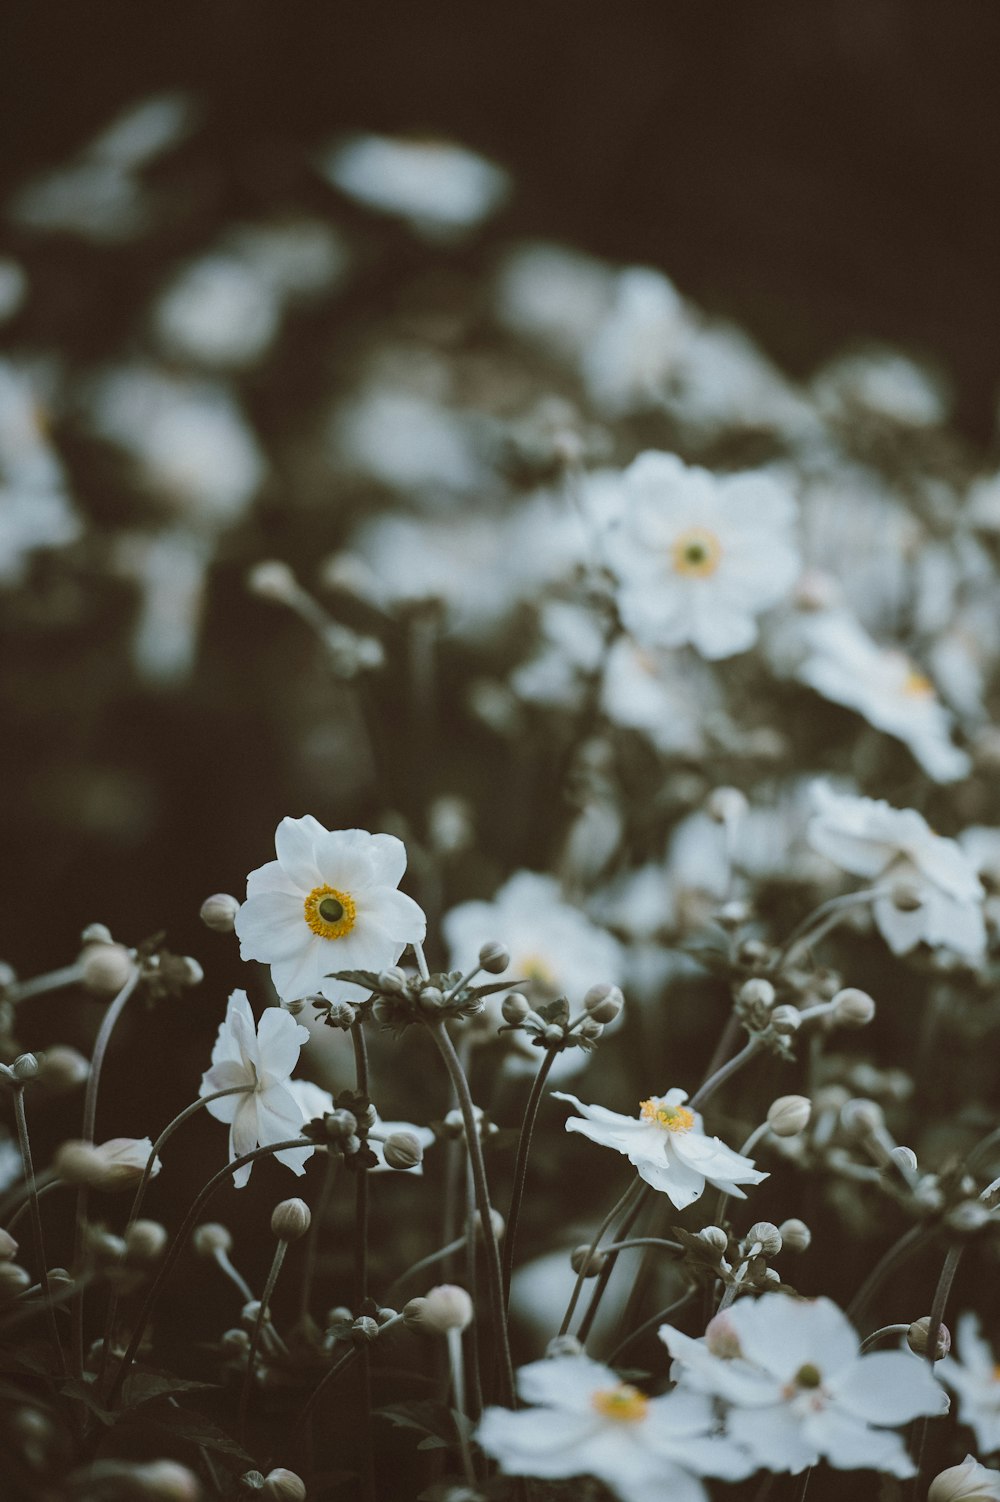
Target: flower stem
<point>361,1218</point>
<point>24,1144</point>
<point>938,1306</point>
<point>727,1070</point>
<point>40,985</point>
<point>43,1185</point>
<point>456,1361</point>
<point>333,1161</point>
<point>872,1340</point>
<point>258,1325</point>
<point>604,1276</point>
<point>897,1253</point>
<point>619,1208</point>
<point>521,1168</point>
<point>822,919</point>
<point>649,1324</point>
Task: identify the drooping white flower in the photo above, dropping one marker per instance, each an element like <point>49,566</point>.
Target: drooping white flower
<point>587,1422</point>
<point>314,1101</point>
<point>261,1057</point>
<point>968,1482</point>
<point>799,1387</point>
<point>442,190</point>
<point>329,902</point>
<point>892,846</point>
<point>668,1146</point>
<point>973,1374</point>
<point>698,556</point>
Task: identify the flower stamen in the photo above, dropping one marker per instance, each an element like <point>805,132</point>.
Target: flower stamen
<point>329,913</point>
<point>697,553</point>
<point>624,1404</point>
<point>672,1118</point>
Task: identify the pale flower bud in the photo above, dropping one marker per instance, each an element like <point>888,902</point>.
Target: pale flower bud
<point>906,895</point>
<point>786,1019</point>
<point>795,1235</point>
<point>340,1126</point>
<point>290,1220</point>
<point>402,1150</point>
<point>603,1003</point>
<point>432,999</point>
<point>853,1008</point>
<point>494,958</point>
<point>725,805</point>
<point>340,1014</point>
<point>766,1236</point>
<point>62,1068</point>
<point>590,1029</point>
<point>583,1260</point>
<point>8,1246</point>
<point>446,1307</point>
<point>96,933</point>
<point>165,1481</point>
<point>113,1166</point>
<point>218,912</point>
<point>789,1115</point>
<point>757,992</point>
<point>864,1117</point>
<point>392,980</point>
<point>515,1008</point>
<point>721,1338</point>
<point>272,580</point>
<point>968,1217</point>
<point>968,1482</point>
<point>13,1280</point>
<point>563,1345</point>
<point>554,1034</point>
<point>189,972</point>
<point>496,1221</point>
<point>25,1068</point>
<point>918,1338</point>
<point>145,1240</point>
<point>715,1238</point>
<point>106,968</point>
<point>364,1330</point>
<point>210,1238</point>
<point>281,1485</point>
<point>905,1159</point>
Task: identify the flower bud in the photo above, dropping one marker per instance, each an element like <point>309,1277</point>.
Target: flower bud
<point>968,1217</point>
<point>733,915</point>
<point>757,992</point>
<point>364,1330</point>
<point>853,1008</point>
<point>968,1482</point>
<point>96,933</point>
<point>62,1068</point>
<point>590,1263</point>
<point>367,1117</point>
<point>340,1014</point>
<point>553,1034</point>
<point>905,1159</point>
<point>402,1150</point>
<point>721,1338</point>
<point>281,1485</point>
<point>164,1481</point>
<point>189,973</point>
<point>272,580</point>
<point>494,958</point>
<point>218,912</point>
<point>563,1345</point>
<point>290,1220</point>
<point>145,1240</point>
<point>113,1166</point>
<point>8,1246</point>
<point>251,1481</point>
<point>446,1307</point>
<point>766,1236</point>
<point>496,1221</point>
<point>25,1068</point>
<point>515,1008</point>
<point>786,1019</point>
<point>13,1280</point>
<point>590,1029</point>
<point>393,980</point>
<point>603,1003</point>
<point>918,1338</point>
<point>862,1117</point>
<point>432,998</point>
<point>789,1115</point>
<point>725,805</point>
<point>106,968</point>
<point>795,1235</point>
<point>340,1125</point>
<point>906,895</point>
<point>210,1238</point>
<point>235,1343</point>
<point>715,1238</point>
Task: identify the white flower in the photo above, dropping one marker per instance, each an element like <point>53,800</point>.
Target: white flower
<point>627,364</point>
<point>800,1388</point>
<point>329,902</point>
<point>588,1422</point>
<point>698,557</point>
<point>260,1057</point>
<point>667,1144</point>
<point>968,1482</point>
<point>314,1101</point>
<point>440,189</point>
<point>218,311</point>
<point>884,383</point>
<point>891,845</point>
<point>654,691</point>
<point>554,296</point>
<point>974,1376</point>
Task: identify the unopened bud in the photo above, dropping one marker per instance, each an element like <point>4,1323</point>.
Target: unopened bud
<point>721,1338</point>
<point>62,1068</point>
<point>553,1034</point>
<point>272,580</point>
<point>715,1238</point>
<point>515,1008</point>
<point>164,1481</point>
<point>906,895</point>
<point>251,1481</point>
<point>340,1014</point>
<point>189,972</point>
<point>235,1343</point>
<point>795,1235</point>
<point>211,1238</point>
<point>919,1334</point>
<point>494,958</point>
<point>8,1246</point>
<point>295,1008</point>
<point>13,1280</point>
<point>25,1068</point>
<point>281,1485</point>
<point>432,998</point>
<point>563,1345</point>
<point>112,1166</point>
<point>905,1159</point>
<point>590,1029</point>
<point>290,1220</point>
<point>145,1240</point>
<point>340,1125</point>
<point>786,1019</point>
<point>589,1263</point>
<point>402,1150</point>
<point>757,992</point>
<point>96,933</point>
<point>863,1117</point>
<point>603,1003</point>
<point>218,912</point>
<point>853,1008</point>
<point>364,1330</point>
<point>497,1222</point>
<point>766,1236</point>
<point>734,914</point>
<point>106,968</point>
<point>969,1482</point>
<point>392,980</point>
<point>789,1115</point>
<point>725,805</point>
<point>445,1308</point>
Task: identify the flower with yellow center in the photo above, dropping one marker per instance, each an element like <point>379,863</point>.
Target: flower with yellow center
<point>673,1118</point>
<point>696,553</point>
<point>624,1404</point>
<point>330,902</point>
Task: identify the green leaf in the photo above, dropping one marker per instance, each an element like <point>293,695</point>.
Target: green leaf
<point>194,1426</point>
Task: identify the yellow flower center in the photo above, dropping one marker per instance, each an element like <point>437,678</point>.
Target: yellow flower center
<point>329,913</point>
<point>673,1118</point>
<point>696,553</point>
<point>917,685</point>
<point>535,967</point>
<point>624,1404</point>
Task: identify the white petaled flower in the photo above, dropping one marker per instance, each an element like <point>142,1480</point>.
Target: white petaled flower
<point>800,1389</point>
<point>699,556</point>
<point>329,902</point>
<point>260,1058</point>
<point>895,847</point>
<point>667,1145</point>
<point>314,1101</point>
<point>442,190</point>
<point>973,1374</point>
<point>588,1422</point>
<point>968,1482</point>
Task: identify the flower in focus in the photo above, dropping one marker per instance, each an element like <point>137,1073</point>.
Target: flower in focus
<point>968,1482</point>
<point>329,902</point>
<point>587,1422</point>
<point>667,1145</point>
<point>699,557</point>
<point>314,1101</point>
<point>896,846</point>
<point>259,1058</point>
<point>799,1388</point>
<point>974,1377</point>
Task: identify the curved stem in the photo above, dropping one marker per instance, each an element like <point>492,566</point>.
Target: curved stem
<point>43,1185</point>
<point>621,1246</point>
<point>618,1208</point>
<point>731,1067</point>
<point>24,1144</point>
<point>521,1168</point>
<point>423,1264</point>
<point>821,920</point>
<point>258,1325</point>
<point>649,1324</point>
<point>897,1253</point>
<point>39,985</point>
<point>872,1340</point>
<point>361,1217</point>
<point>333,1162</point>
<point>604,1276</point>
<point>938,1307</point>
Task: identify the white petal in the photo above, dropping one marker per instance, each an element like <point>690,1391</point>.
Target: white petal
<point>773,1436</point>
<point>848,1445</point>
<point>296,840</point>
<point>567,1382</point>
<point>279,1041</point>
<point>535,1442</point>
<point>781,1334</point>
<point>272,926</point>
<point>888,1387</point>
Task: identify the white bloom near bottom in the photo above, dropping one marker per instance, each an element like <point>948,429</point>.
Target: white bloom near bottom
<point>799,1388</point>
<point>588,1423</point>
<point>975,1380</point>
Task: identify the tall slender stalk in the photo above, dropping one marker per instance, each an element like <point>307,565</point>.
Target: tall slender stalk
<point>24,1143</point>
<point>361,1218</point>
<point>333,1162</point>
<point>258,1325</point>
<point>618,1208</point>
<point>521,1168</point>
<point>604,1276</point>
<point>938,1306</point>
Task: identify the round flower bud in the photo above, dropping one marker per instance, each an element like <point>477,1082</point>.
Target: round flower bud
<point>290,1220</point>
<point>969,1482</point>
<point>853,1008</point>
<point>786,1019</point>
<point>906,895</point>
<point>367,1117</point>
<point>721,1338</point>
<point>918,1338</point>
<point>211,1238</point>
<point>340,1125</point>
<point>281,1485</point>
<point>553,1034</point>
<point>515,1008</point>
<point>766,1236</point>
<point>496,1221</point>
<point>251,1481</point>
<point>105,968</point>
<point>272,580</point>
<point>863,1117</point>
<point>402,1150</point>
<point>563,1345</point>
<point>432,999</point>
<point>795,1235</point>
<point>968,1217</point>
<point>96,933</point>
<point>113,1166</point>
<point>364,1330</point>
<point>164,1481</point>
<point>733,915</point>
<point>715,1238</point>
<point>446,1307</point>
<point>218,912</point>
<point>189,972</point>
<point>235,1343</point>
<point>583,1260</point>
<point>62,1068</point>
<point>789,1115</point>
<point>13,1280</point>
<point>757,992</point>
<point>393,980</point>
<point>145,1240</point>
<point>603,1003</point>
<point>385,1314</point>
<point>8,1246</point>
<point>725,805</point>
<point>494,958</point>
<point>340,1014</point>
<point>590,1029</point>
<point>25,1068</point>
<point>905,1159</point>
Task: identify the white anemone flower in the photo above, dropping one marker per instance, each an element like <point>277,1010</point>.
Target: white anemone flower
<point>314,1101</point>
<point>800,1389</point>
<point>699,556</point>
<point>667,1145</point>
<point>968,1482</point>
<point>973,1374</point>
<point>896,848</point>
<point>260,1058</point>
<point>329,902</point>
<point>588,1422</point>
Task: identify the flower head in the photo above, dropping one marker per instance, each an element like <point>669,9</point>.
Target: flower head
<point>667,1144</point>
<point>260,1059</point>
<point>968,1482</point>
<point>329,902</point>
<point>974,1376</point>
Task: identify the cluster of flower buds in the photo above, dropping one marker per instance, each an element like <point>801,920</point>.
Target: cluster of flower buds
<point>550,1025</point>
<point>399,998</point>
<point>163,974</point>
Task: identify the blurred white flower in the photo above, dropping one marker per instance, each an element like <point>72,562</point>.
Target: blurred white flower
<point>441,190</point>
<point>554,296</point>
<point>170,569</point>
<point>410,443</point>
<point>259,1057</point>
<point>627,363</point>
<point>699,557</point>
<point>895,848</point>
<point>667,1145</point>
<point>588,1422</point>
<point>799,1388</point>
<point>573,645</point>
<point>217,312</point>
<point>884,383</point>
<point>669,698</point>
<point>722,381</point>
<point>973,1374</point>
<point>329,902</point>
<point>36,512</point>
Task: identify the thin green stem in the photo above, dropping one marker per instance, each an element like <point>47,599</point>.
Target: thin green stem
<point>749,1050</point>
<point>821,920</point>
<point>897,1254</point>
<point>361,1219</point>
<point>871,1341</point>
<point>521,1168</point>
<point>938,1306</point>
<point>650,1324</point>
<point>40,985</point>
<point>748,1146</point>
<point>24,1143</point>
<point>604,1276</point>
<point>43,1185</point>
<point>618,1208</point>
<point>258,1325</point>
<point>333,1162</point>
<point>456,1361</point>
<point>621,1246</point>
